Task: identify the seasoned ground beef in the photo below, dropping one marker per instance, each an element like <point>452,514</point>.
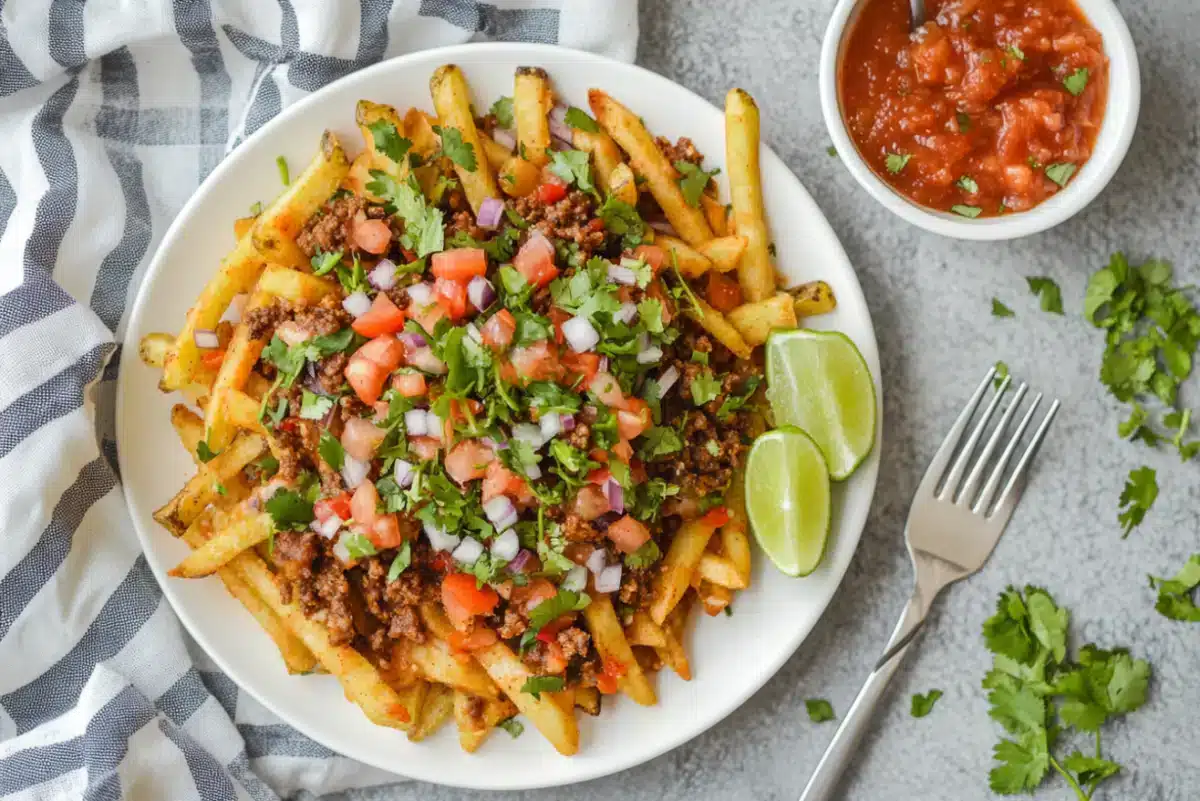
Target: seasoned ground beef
<point>327,317</point>
<point>262,321</point>
<point>635,587</point>
<point>514,624</point>
<point>570,219</point>
<point>576,529</point>
<point>464,222</point>
<point>331,228</point>
<point>574,642</point>
<point>330,372</point>
<point>580,436</point>
<point>682,150</point>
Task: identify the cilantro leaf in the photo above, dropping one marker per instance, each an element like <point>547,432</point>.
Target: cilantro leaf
<point>460,152</point>
<point>423,231</point>
<point>819,710</point>
<point>401,562</point>
<point>895,162</point>
<point>1175,594</point>
<point>331,451</point>
<point>204,453</point>
<point>282,165</point>
<point>579,119</point>
<point>1015,52</point>
<point>967,184</point>
<point>735,402</point>
<point>966,211</point>
<point>659,441</point>
<point>1000,310</point>
<point>1077,81</point>
<point>622,219</point>
<point>388,140</point>
<point>693,181</point>
<point>323,263</point>
<point>964,121</point>
<point>289,509</point>
<point>1090,769</point>
<point>513,726</point>
<point>1023,763</point>
<point>705,387</point>
<point>502,110</point>
<point>647,554</point>
<point>1048,291</point>
<point>564,602</point>
<point>573,167</point>
<point>536,685</point>
<point>357,545</point>
<point>314,406</point>
<point>922,705</point>
<point>550,552</point>
<point>1001,374</point>
<point>1060,173</point>
<point>1139,494</point>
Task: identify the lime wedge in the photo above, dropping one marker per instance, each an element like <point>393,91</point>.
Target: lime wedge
<point>787,499</point>
<point>818,381</point>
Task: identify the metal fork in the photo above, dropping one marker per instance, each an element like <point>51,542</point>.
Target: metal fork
<point>952,527</point>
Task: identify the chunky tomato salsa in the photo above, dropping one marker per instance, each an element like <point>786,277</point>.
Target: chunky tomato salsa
<point>990,107</point>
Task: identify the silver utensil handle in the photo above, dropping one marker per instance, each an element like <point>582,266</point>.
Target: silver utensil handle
<point>833,762</point>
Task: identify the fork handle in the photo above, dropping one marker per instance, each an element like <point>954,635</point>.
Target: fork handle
<point>833,762</point>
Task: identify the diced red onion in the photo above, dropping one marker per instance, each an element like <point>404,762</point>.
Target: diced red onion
<point>491,209</point>
<point>558,124</point>
<point>551,425</point>
<point>504,138</point>
<point>506,546</point>
<point>481,293</point>
<point>626,313</point>
<point>498,508</point>
<point>415,422</point>
<point>615,495</point>
<point>468,551</point>
<point>292,333</point>
<point>434,426</point>
<point>237,308</point>
<point>609,579</point>
<point>597,561</point>
<point>662,226</point>
<point>533,472</point>
<point>522,561</point>
<point>206,338</point>
<point>493,444</point>
<point>567,421</point>
<point>354,472</point>
<point>603,365</point>
<point>529,433</point>
<point>621,275</point>
<point>327,528</point>
<point>576,579</point>
<point>357,303</point>
<point>413,341</point>
<point>384,275</point>
<point>439,539</point>
<point>402,472</point>
<point>580,334</point>
<point>559,144</point>
<point>651,355</point>
<point>666,380</point>
<point>420,294</point>
<point>424,360</point>
<point>342,552</point>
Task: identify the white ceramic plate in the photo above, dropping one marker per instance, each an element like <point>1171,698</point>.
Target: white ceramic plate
<point>731,656</point>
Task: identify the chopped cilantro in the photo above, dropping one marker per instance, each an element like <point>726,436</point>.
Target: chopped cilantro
<point>922,705</point>
<point>705,387</point>
<point>1015,52</point>
<point>659,441</point>
<point>388,140</point>
<point>700,357</point>
<point>831,151</point>
<point>693,180</point>
<point>331,451</point>
<point>423,231</point>
<point>622,219</point>
<point>513,726</point>
<point>964,121</point>
<point>353,278</point>
<point>819,710</point>
<point>895,162</point>
<point>580,120</point>
<point>1000,310</point>
<point>401,562</point>
<point>735,402</point>
<point>314,406</point>
<point>1077,81</point>
<point>1175,595</point>
<point>1048,291</point>
<point>282,164</point>
<point>502,110</point>
<point>966,211</point>
<point>647,554</point>
<point>357,545</point>
<point>551,609</point>
<point>289,509</point>
<point>573,167</point>
<point>460,152</point>
<point>1060,173</point>
<point>1139,494</point>
<point>322,263</point>
<point>967,184</point>
<point>204,453</point>
<point>714,450</point>
<point>1001,374</point>
<point>536,685</point>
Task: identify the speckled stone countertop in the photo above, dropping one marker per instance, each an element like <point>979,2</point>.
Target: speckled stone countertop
<point>930,299</point>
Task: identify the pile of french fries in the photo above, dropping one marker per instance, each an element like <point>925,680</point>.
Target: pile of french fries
<point>213,513</point>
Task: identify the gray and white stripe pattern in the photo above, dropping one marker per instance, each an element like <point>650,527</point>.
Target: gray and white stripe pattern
<point>112,112</point>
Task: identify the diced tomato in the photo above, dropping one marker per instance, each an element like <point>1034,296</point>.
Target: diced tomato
<point>600,474</point>
<point>623,451</point>
<point>451,296</point>
<point>608,390</point>
<point>288,425</point>
<point>361,437</point>
<point>481,637</point>
<point>508,373</point>
<point>328,507</point>
<point>385,532</point>
<point>534,593</point>
<point>458,414</point>
<point>614,668</point>
<point>723,293</point>
<point>461,264</point>
<point>557,318</point>
<point>551,192</point>
<point>499,480</point>
<point>384,317</point>
<point>598,455</point>
<point>381,411</point>
<point>536,362</point>
<point>716,517</point>
<point>581,367</point>
<point>410,385</point>
<point>498,331</point>
<point>468,460</point>
<point>634,419</point>
<point>441,561</point>
<point>385,350</point>
<point>535,260</point>
<point>212,359</point>
<point>550,631</point>
<point>463,600</point>
<point>653,255</point>
<point>606,684</point>
<point>426,448</point>
<point>628,534</point>
<point>373,236</point>
<point>428,316</point>
<point>556,660</point>
<point>595,224</point>
<point>366,378</point>
<point>363,504</point>
<point>590,502</point>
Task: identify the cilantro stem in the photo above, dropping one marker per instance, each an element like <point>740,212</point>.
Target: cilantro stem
<point>1082,796</point>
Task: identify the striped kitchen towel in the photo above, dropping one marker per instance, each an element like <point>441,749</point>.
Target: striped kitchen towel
<point>111,113</point>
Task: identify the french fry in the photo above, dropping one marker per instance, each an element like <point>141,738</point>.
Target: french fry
<point>606,157</point>
<point>756,321</point>
<point>613,647</point>
<point>735,544</point>
<point>154,348</point>
<point>510,674</point>
<point>359,176</point>
<point>381,129</point>
<point>715,323</point>
<point>813,298</point>
<point>200,491</point>
<point>622,185</point>
<point>714,598</point>
<point>721,571</point>
<point>756,275</point>
<point>452,99</point>
<point>648,161</point>
<point>531,109</point>
<point>673,654</point>
<point>275,232</point>
<point>437,708</point>
<point>648,658</point>
<point>725,251</point>
<point>476,717</point>
<point>294,286</point>
<point>518,177</point>
<point>496,153</point>
<point>644,631</point>
<point>716,214</point>
<point>242,226</point>
<point>237,274</point>
<point>691,262</point>
<point>436,621</point>
<point>588,698</point>
<point>680,562</point>
<point>437,663</point>
<point>223,546</point>
<point>424,144</point>
<point>241,410</point>
<point>362,684</point>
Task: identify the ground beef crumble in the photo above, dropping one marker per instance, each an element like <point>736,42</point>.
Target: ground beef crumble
<point>682,150</point>
<point>571,219</point>
<point>332,227</point>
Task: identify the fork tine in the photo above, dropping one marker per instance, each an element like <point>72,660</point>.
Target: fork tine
<point>949,489</point>
<point>993,482</point>
<point>933,474</point>
<point>1010,495</point>
<point>976,475</point>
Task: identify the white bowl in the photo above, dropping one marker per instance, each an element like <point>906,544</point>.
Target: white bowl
<point>1116,133</point>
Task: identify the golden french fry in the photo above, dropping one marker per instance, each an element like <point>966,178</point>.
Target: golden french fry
<point>756,275</point>
<point>154,349</point>
<point>714,598</point>
<point>756,321</point>
<point>691,262</point>
<point>223,546</point>
<point>496,153</point>
<point>715,323</point>
<point>358,176</point>
<point>436,621</point>
<point>644,631</point>
<point>735,543</point>
<point>437,663</point>
<point>622,185</point>
<point>476,717</point>
<point>241,410</point>
<point>510,674</point>
<point>613,647</point>
<point>236,275</point>
<point>720,570</point>
<point>648,161</point>
<point>716,214</point>
<point>201,489</point>
<point>242,226</point>
<point>531,109</point>
<point>813,298</point>
<point>452,99</point>
<point>675,575</point>
<point>419,129</point>
<point>275,232</point>
<point>607,160</point>
<point>673,654</point>
<point>518,177</point>
<point>381,126</point>
<point>588,698</point>
<point>294,286</point>
<point>435,711</point>
<point>725,251</point>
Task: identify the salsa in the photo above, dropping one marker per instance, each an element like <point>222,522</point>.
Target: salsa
<point>990,107</point>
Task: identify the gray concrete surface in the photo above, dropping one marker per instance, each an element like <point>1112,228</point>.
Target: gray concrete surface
<point>930,300</point>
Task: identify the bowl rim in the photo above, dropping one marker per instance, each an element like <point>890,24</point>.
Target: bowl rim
<point>1112,143</point>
